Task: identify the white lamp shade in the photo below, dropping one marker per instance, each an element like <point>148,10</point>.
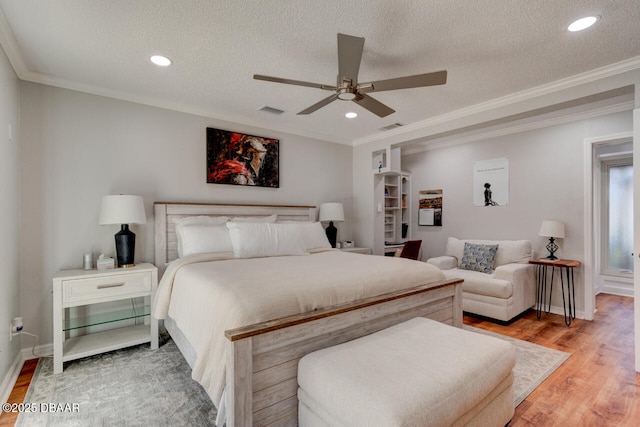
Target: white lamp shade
<point>331,212</point>
<point>122,209</point>
<point>553,229</point>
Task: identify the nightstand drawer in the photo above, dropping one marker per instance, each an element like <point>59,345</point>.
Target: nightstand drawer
<point>105,288</point>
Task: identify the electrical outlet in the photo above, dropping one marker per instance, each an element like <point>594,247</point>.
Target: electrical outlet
<point>15,328</point>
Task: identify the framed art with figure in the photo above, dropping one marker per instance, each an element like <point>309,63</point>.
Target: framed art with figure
<point>240,159</point>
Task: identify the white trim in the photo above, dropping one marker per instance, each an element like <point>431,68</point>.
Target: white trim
<point>589,261</point>
<point>11,377</point>
<point>10,46</point>
<point>512,128</point>
<point>507,101</point>
<point>559,310</point>
<point>636,226</point>
<point>528,97</point>
<point>615,285</point>
<point>9,381</point>
<point>44,350</point>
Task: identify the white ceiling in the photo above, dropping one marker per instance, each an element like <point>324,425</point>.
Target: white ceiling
<point>491,48</point>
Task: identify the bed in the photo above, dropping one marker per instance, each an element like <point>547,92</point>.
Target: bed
<point>243,323</point>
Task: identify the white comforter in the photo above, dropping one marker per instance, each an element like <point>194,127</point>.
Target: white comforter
<point>207,294</point>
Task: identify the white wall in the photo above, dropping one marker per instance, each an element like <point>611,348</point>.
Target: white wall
<point>546,182</point>
<point>78,147</point>
<point>9,219</point>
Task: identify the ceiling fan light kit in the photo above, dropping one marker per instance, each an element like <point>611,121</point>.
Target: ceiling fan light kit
<point>350,50</point>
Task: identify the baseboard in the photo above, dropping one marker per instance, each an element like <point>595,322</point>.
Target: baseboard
<point>10,379</point>
<point>44,350</point>
<point>560,311</point>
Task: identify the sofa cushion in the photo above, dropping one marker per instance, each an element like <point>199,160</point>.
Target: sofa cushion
<point>508,250</point>
<point>481,283</point>
<point>478,257</point>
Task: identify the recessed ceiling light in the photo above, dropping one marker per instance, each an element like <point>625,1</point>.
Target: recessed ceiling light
<point>583,23</point>
<point>160,60</point>
<point>351,115</point>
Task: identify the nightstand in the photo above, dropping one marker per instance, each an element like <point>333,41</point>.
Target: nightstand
<point>365,251</point>
<point>75,288</point>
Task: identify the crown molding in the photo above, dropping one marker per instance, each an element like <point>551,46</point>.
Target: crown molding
<point>414,130</point>
<point>513,128</point>
<point>182,108</point>
<point>10,47</point>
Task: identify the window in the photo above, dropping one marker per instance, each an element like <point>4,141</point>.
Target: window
<point>617,212</point>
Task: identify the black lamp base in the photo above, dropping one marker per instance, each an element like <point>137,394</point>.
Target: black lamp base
<point>125,246</point>
<point>552,248</point>
<point>332,234</point>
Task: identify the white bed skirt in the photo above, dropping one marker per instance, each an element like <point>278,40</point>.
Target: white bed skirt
<point>190,356</point>
<point>181,342</point>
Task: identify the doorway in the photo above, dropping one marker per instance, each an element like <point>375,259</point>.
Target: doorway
<point>614,225</point>
<point>595,150</point>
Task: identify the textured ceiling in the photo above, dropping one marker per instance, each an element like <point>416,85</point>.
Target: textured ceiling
<point>491,48</point>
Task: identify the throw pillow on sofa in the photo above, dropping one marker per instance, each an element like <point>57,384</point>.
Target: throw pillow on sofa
<point>478,257</point>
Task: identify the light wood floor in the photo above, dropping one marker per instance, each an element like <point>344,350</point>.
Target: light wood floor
<point>596,386</point>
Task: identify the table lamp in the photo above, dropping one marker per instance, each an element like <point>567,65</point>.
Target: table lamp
<point>124,210</point>
<point>331,212</point>
<point>553,230</point>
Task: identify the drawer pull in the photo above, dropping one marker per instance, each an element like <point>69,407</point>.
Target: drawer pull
<point>112,285</point>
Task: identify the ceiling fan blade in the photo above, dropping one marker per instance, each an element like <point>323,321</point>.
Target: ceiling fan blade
<point>349,57</point>
<point>373,105</point>
<point>419,80</point>
<point>319,105</point>
<point>293,82</point>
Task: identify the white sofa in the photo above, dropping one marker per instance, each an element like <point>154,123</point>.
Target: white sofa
<point>504,293</point>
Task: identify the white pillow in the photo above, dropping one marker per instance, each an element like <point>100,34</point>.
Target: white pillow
<point>313,234</point>
<point>270,218</point>
<point>252,240</point>
<point>198,239</point>
<point>195,220</point>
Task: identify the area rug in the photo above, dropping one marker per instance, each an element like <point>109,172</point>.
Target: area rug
<point>534,363</point>
<point>135,386</point>
<point>141,387</point>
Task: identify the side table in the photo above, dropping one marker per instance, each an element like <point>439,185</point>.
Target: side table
<point>73,288</point>
<point>542,271</point>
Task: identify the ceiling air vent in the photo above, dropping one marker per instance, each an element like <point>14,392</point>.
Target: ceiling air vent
<point>271,110</point>
<point>392,126</point>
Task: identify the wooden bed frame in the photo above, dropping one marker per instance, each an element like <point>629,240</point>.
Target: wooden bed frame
<point>262,359</point>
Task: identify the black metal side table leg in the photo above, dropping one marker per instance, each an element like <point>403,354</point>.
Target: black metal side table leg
<point>553,271</point>
<point>573,292</point>
<point>571,296</point>
<point>567,302</point>
<point>541,288</point>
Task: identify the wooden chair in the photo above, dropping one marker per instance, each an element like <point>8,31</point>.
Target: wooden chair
<point>411,249</point>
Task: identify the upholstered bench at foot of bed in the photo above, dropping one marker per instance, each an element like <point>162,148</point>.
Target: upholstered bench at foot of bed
<point>417,373</point>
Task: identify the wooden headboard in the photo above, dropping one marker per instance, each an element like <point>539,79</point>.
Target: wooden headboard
<point>166,243</point>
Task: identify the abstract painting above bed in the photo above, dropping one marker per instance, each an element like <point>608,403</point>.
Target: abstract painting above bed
<point>240,159</point>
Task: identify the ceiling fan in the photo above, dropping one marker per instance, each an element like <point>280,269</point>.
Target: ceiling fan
<point>347,87</point>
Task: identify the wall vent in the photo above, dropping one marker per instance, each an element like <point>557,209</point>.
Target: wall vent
<point>392,126</point>
<point>270,110</point>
